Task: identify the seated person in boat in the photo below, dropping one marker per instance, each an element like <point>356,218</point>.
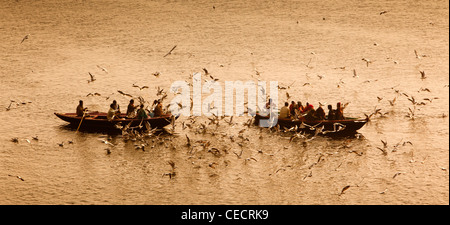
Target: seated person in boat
<point>80,109</point>
<point>269,103</point>
<point>330,113</point>
<point>339,112</point>
<point>300,106</point>
<point>292,108</point>
<point>116,106</point>
<point>284,111</point>
<point>158,111</point>
<point>307,108</point>
<point>269,106</point>
<point>311,115</point>
<point>141,114</point>
<point>131,110</point>
<point>111,112</point>
<point>320,113</point>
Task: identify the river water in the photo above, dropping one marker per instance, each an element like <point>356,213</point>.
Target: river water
<point>313,47</point>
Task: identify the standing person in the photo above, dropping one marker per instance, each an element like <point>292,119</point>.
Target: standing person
<point>339,113</point>
<point>330,113</point>
<point>131,109</point>
<point>80,109</point>
<point>284,111</point>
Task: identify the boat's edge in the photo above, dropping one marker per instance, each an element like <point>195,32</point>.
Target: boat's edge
<point>356,123</point>
<point>158,122</point>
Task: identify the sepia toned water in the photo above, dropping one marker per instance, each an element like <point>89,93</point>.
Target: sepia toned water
<point>311,46</point>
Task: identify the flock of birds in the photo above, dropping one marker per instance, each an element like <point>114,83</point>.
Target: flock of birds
<point>151,138</point>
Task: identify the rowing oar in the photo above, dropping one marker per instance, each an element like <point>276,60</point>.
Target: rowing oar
<point>79,125</point>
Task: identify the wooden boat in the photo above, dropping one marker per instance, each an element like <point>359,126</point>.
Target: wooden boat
<point>97,120</point>
<point>347,126</point>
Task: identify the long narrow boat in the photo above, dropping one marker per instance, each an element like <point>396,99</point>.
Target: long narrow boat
<point>346,126</point>
<point>97,120</point>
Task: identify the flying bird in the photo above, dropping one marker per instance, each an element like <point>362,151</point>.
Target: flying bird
<point>107,142</point>
<point>418,55</point>
<point>354,74</point>
<point>430,99</point>
<point>383,12</point>
<point>344,189</point>
<point>95,94</point>
<point>396,174</point>
<point>413,100</point>
<point>383,150</point>
<point>385,145</point>
<point>422,75</point>
<point>368,61</point>
<point>102,68</point>
<point>307,65</point>
<point>140,88</point>
<point>172,164</point>
<point>160,91</point>
<point>215,79</point>
<point>392,102</point>
<point>92,78</point>
<point>25,38</point>
<point>141,146</point>
<point>411,113</point>
<point>9,106</point>
<point>170,52</point>
<point>125,94</point>
<point>18,177</point>
<point>188,141</point>
<point>424,89</point>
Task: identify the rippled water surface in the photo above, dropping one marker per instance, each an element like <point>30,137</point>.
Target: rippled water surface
<point>313,46</point>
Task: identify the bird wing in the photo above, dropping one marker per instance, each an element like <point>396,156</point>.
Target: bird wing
<point>92,76</point>
<point>170,52</point>
<point>344,189</point>
<point>103,69</point>
<point>24,38</point>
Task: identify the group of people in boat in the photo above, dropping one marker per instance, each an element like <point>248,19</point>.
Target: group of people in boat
<point>133,111</point>
<point>298,111</point>
<point>292,111</point>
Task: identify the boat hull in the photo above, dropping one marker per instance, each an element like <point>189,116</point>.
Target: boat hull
<point>347,126</point>
<point>98,120</point>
